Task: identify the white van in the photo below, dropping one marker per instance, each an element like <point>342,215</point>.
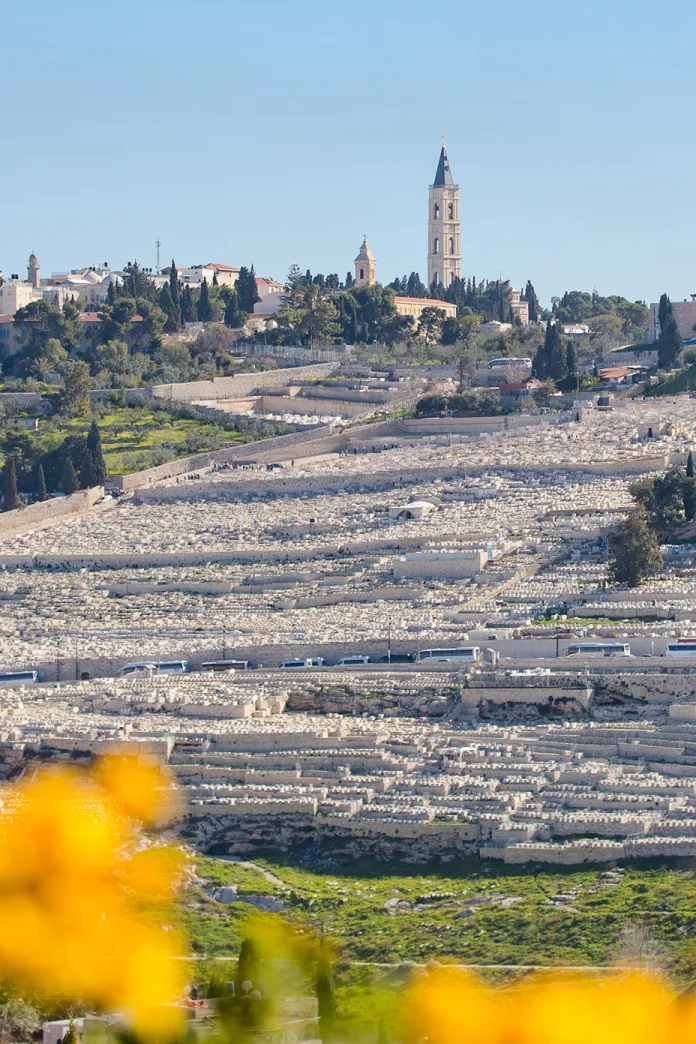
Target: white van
<point>353,661</point>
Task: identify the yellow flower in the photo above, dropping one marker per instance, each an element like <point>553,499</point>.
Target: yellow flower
<point>448,1007</point>
<point>76,906</point>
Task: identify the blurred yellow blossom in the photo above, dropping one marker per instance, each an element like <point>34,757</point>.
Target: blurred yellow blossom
<point>76,900</point>
<point>449,1007</point>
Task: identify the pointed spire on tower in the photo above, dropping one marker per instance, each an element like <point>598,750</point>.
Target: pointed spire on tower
<point>443,175</point>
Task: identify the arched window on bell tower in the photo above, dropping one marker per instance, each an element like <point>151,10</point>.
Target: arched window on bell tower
<point>436,212</point>
<point>451,244</point>
<point>436,246</point>
<point>450,211</point>
<point>362,273</point>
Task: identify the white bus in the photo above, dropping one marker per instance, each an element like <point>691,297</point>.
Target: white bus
<point>687,650</point>
<point>8,678</point>
<point>497,364</point>
<point>472,654</point>
<point>153,667</point>
<point>316,661</point>
<point>225,665</point>
<point>599,649</point>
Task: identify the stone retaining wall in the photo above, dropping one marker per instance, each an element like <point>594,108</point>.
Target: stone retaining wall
<point>48,512</point>
<point>299,444</point>
<point>240,385</point>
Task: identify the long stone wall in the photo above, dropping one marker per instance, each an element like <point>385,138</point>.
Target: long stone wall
<point>299,444</point>
<point>240,385</point>
<point>48,512</point>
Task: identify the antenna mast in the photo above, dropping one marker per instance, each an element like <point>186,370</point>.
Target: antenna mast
<point>158,245</point>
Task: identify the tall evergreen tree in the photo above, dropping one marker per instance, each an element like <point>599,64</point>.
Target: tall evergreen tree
<point>571,358</point>
<point>96,455</point>
<point>247,965</point>
<point>416,287</point>
<point>670,343</point>
<point>326,994</point>
<point>110,294</point>
<point>532,302</point>
<point>502,317</point>
<point>690,465</point>
<point>167,306</point>
<point>39,482</point>
<point>175,317</point>
<point>664,307</point>
<point>69,478</point>
<point>349,281</point>
<point>689,498</point>
<point>205,311</point>
<point>551,359</point>
<point>234,317</point>
<point>10,498</point>
<point>215,279</point>
<point>246,287</point>
<point>174,282</point>
<point>188,307</point>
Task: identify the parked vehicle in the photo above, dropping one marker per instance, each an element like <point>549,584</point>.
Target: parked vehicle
<point>316,661</point>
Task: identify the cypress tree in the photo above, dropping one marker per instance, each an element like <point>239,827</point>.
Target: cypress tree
<point>174,282</point>
<point>247,965</point>
<point>10,499</point>
<point>326,995</point>
<point>664,307</point>
<point>532,301</point>
<point>690,465</point>
<point>234,317</point>
<point>689,498</point>
<point>670,343</point>
<point>501,303</point>
<point>96,455</point>
<point>215,279</point>
<point>39,482</point>
<point>188,310</point>
<point>205,311</point>
<point>69,478</point>
<point>246,288</point>
<point>167,306</point>
<point>571,358</point>
<point>110,294</point>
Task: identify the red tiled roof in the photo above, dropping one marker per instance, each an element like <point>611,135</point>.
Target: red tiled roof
<point>614,372</point>
<point>514,386</point>
<point>221,268</point>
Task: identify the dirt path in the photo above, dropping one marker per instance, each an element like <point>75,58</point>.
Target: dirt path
<point>271,878</point>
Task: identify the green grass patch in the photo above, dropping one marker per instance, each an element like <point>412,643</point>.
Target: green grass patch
<point>466,911</point>
<point>684,380</point>
<point>135,438</point>
<point>387,920</point>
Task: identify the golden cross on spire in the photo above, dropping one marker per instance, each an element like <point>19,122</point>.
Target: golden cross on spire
<point>443,141</point>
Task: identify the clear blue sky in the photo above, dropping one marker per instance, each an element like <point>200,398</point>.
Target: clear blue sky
<point>277,132</point>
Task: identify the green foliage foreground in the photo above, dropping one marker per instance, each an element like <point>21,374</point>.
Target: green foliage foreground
<point>469,911</point>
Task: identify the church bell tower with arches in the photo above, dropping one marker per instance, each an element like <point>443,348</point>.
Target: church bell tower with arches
<point>444,251</point>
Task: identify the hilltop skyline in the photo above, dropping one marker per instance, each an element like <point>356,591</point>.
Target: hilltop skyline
<point>282,136</point>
